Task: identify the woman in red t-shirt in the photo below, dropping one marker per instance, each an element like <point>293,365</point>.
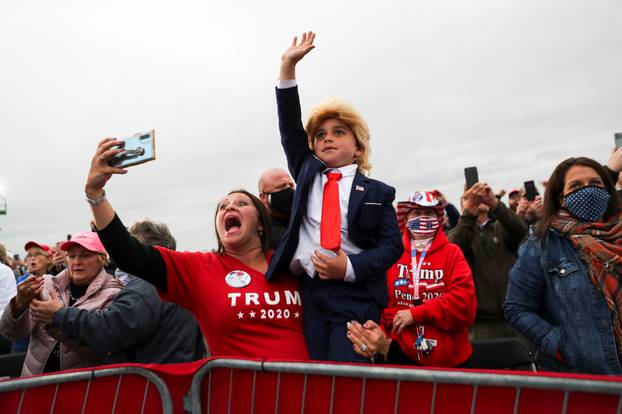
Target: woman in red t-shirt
<point>239,312</point>
<point>431,295</point>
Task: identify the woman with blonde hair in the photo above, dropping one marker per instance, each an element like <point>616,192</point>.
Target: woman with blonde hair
<point>84,284</point>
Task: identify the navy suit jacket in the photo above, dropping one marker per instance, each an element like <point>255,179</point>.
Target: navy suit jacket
<point>372,224</point>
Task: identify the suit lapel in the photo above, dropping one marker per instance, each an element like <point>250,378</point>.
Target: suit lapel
<point>311,167</point>
<point>359,187</point>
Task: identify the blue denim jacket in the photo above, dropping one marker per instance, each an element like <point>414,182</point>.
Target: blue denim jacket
<point>552,301</point>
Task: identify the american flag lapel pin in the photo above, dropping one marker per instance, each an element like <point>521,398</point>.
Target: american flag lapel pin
<point>360,188</point>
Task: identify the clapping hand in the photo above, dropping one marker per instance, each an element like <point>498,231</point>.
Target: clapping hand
<point>27,290</point>
<point>43,310</point>
<point>368,339</point>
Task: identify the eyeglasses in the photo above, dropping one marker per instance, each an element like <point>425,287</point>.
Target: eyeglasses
<point>31,255</point>
<point>83,256</point>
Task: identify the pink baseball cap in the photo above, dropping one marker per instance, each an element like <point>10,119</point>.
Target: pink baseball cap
<point>87,239</point>
<point>42,246</point>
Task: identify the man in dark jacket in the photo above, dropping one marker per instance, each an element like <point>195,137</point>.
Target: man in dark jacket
<point>137,326</point>
<point>489,234</point>
<point>276,191</point>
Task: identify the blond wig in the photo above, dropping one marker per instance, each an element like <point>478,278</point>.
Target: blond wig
<point>336,109</point>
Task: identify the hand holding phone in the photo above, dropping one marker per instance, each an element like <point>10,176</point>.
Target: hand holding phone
<point>137,149</point>
<point>27,290</point>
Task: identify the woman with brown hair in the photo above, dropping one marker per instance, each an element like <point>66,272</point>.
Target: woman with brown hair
<point>564,292</point>
<point>239,312</point>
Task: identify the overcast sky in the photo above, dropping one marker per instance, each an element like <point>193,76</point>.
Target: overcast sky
<point>512,87</point>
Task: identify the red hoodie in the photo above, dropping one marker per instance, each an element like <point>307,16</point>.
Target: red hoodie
<point>448,307</point>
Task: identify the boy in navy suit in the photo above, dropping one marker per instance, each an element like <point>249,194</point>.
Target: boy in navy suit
<point>343,234</point>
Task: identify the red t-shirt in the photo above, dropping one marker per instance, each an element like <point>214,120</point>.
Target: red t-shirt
<point>239,311</point>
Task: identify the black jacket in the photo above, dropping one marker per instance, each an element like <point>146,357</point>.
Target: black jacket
<point>136,327</point>
<point>491,251</point>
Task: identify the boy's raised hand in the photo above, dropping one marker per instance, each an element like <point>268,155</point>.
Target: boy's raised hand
<point>294,54</point>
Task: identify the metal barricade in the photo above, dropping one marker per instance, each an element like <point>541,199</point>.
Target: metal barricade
<point>108,394</point>
<point>236,386</point>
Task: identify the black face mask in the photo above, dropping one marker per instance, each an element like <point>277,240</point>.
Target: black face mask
<point>282,200</point>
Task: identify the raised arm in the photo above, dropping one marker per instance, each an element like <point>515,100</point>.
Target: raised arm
<point>514,228</point>
<point>293,135</point>
<point>465,230</point>
<point>99,174</point>
<point>127,252</point>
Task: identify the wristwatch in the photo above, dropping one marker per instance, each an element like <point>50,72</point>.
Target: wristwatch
<point>96,201</point>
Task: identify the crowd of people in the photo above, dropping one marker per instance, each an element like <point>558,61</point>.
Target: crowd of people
<point>323,265</point>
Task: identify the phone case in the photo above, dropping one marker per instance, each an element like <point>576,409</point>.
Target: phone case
<point>138,149</point>
<point>530,190</point>
<point>471,176</point>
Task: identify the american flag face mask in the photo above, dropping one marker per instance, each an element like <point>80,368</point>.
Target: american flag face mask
<point>423,225</point>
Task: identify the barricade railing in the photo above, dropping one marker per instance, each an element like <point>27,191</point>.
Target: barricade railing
<point>234,386</point>
<point>109,390</point>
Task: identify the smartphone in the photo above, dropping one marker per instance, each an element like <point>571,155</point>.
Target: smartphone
<point>530,190</point>
<point>470,175</point>
<point>137,149</point>
<point>618,139</point>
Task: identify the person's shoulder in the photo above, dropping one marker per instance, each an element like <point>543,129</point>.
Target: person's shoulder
<point>379,187</point>
<point>380,184</point>
<point>535,244</point>
<point>112,282</point>
<point>139,288</point>
<point>452,252</point>
<point>451,248</point>
<point>136,284</point>
<point>197,256</point>
<point>6,271</point>
<point>58,278</point>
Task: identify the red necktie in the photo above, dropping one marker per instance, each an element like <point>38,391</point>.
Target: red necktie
<point>330,226</point>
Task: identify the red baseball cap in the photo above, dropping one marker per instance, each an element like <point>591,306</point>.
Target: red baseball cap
<point>87,239</point>
<point>42,246</point>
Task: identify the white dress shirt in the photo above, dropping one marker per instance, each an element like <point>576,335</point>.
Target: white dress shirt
<point>309,237</point>
<point>8,287</point>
